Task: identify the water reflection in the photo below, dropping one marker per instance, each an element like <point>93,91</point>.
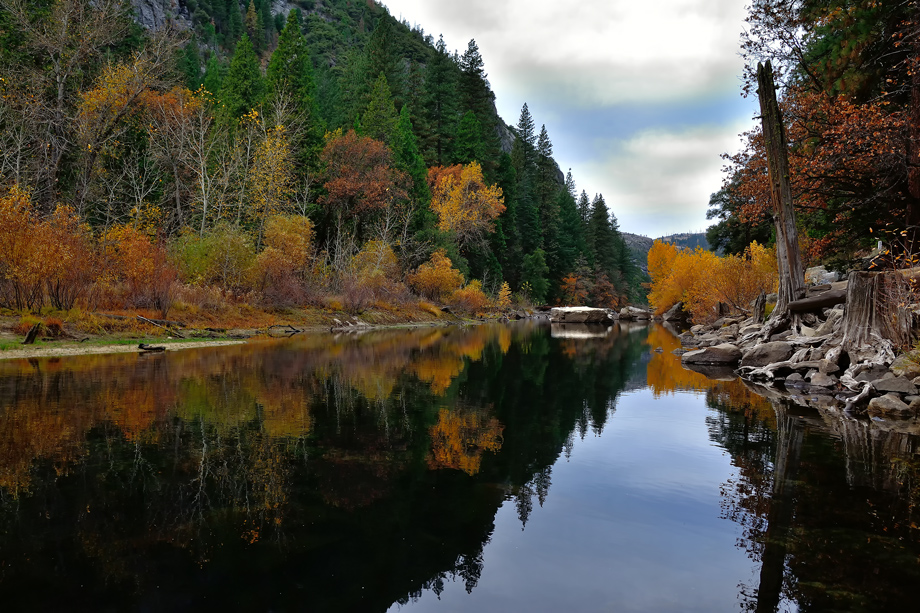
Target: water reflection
<point>354,472</point>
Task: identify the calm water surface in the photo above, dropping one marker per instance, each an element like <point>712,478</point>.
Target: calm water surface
<point>494,468</point>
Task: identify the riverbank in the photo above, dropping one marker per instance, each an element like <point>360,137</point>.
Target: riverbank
<point>80,333</point>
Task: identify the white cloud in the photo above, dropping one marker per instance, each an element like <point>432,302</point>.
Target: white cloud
<point>593,52</point>
<point>659,181</point>
<point>579,62</point>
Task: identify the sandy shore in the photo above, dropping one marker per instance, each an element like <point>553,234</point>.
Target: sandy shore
<point>78,349</point>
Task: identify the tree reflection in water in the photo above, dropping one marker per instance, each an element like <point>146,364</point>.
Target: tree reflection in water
<point>351,472</point>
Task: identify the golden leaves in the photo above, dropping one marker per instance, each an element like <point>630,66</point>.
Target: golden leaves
<point>463,202</point>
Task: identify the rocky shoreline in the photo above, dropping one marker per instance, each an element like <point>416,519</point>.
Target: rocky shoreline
<point>809,365</point>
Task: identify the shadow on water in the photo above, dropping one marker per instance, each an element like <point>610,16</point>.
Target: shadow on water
<point>352,472</point>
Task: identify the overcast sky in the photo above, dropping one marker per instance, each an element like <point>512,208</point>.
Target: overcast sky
<point>639,98</point>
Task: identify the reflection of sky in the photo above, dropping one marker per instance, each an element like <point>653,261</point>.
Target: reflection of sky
<point>631,523</point>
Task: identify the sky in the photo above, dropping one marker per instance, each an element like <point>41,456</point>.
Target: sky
<point>639,99</point>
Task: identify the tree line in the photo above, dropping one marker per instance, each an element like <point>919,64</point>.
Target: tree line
<point>333,150</point>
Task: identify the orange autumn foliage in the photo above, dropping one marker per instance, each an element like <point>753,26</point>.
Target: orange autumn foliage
<point>52,258</point>
<point>701,279</point>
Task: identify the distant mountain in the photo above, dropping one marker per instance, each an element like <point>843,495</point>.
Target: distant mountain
<point>640,245</point>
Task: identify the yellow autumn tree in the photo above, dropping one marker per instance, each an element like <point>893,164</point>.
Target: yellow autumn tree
<point>270,179</point>
<point>465,205</point>
<point>701,279</point>
<point>437,278</point>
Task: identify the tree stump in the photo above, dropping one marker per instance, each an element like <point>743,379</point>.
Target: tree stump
<point>760,308</point>
<point>32,334</point>
<point>874,325</point>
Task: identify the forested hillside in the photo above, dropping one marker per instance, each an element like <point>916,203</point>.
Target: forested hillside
<point>279,154</point>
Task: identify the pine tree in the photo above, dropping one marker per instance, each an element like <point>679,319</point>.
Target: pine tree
<point>474,90</point>
<point>190,64</point>
<point>523,157</point>
<point>255,28</point>
<point>242,89</point>
<point>214,73</point>
<point>601,237</point>
<point>584,208</point>
<point>290,73</point>
<point>380,119</point>
<point>468,146</point>
<point>381,57</point>
<point>234,23</point>
<point>440,106</point>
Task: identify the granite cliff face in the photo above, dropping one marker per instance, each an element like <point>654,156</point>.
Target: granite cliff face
<point>152,14</point>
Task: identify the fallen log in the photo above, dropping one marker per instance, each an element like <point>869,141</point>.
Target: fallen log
<point>814,303</point>
<point>150,348</point>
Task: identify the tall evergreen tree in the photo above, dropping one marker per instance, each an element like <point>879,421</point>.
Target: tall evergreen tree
<point>523,157</point>
<point>601,237</point>
<point>380,119</point>
<point>469,146</point>
<point>584,208</point>
<point>234,23</point>
<point>243,88</point>
<point>440,105</point>
<point>214,73</point>
<point>255,28</point>
<point>383,58</point>
<point>290,73</point>
<point>190,64</point>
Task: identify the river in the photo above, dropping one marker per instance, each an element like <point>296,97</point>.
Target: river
<point>489,468</point>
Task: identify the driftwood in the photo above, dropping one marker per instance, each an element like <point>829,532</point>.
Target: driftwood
<point>154,322</point>
<point>32,334</point>
<point>814,303</point>
<point>150,348</point>
<point>160,322</point>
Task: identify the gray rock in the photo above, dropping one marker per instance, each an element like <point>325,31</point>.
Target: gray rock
<point>719,354</point>
<point>906,366</point>
<point>781,335</point>
<point>827,367</point>
<point>891,406</point>
<point>833,320</point>
<point>767,353</point>
<point>914,404</point>
<point>794,377</point>
<point>871,374</point>
<point>579,315</point>
<point>901,385</point>
<point>809,332</point>
<point>725,321</point>
<point>679,351</point>
<point>676,313</point>
<point>822,380</point>
<point>699,329</point>
<point>750,328</point>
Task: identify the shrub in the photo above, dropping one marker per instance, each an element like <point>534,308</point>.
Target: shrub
<point>471,298</point>
<point>437,278</point>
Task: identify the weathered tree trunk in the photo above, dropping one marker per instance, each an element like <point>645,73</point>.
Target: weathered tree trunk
<point>791,273</point>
